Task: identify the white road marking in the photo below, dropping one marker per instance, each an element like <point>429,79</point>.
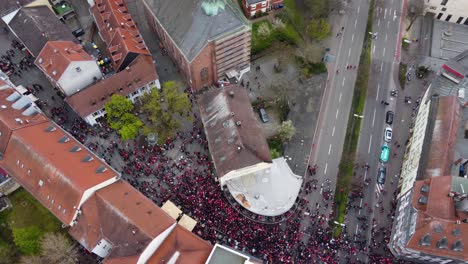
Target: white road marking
<point>326,166</point>
<point>360,203</point>
<point>333,132</point>
<point>349,52</point>
<point>383,53</point>
<point>378,23</point>
<point>373,49</point>
<point>365,174</point>
<point>344,78</point>
<point>386,36</point>
<point>385,14</point>
<point>352,38</point>
<point>370,144</point>
<point>329,149</point>
<point>377,95</point>
<point>337,111</point>
<point>381,66</point>
<point>373,119</point>
<point>358,9</point>
<point>339,99</point>
<point>388,24</point>
<point>359,213</point>
<point>357,228</point>
<point>355,22</point>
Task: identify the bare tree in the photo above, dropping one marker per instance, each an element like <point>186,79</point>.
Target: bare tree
<point>32,260</point>
<point>56,248</point>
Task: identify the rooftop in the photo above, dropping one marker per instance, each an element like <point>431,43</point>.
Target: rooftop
<point>119,31</point>
<point>225,255</point>
<point>123,216</point>
<point>448,39</point>
<point>55,57</point>
<point>189,26</point>
<point>34,26</point>
<point>139,73</point>
<point>234,135</point>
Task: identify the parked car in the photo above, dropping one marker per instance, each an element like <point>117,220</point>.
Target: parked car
<point>388,133</point>
<point>385,154</point>
<point>381,175</point>
<point>263,115</point>
<point>389,117</point>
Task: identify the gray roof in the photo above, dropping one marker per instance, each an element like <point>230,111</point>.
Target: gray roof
<point>8,6</point>
<point>251,2</point>
<point>190,28</point>
<point>34,26</point>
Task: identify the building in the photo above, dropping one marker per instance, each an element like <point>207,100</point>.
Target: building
<point>9,8</point>
<point>431,220</point>
<point>68,66</point>
<point>455,11</point>
<point>241,155</point>
<point>105,214</point>
<point>209,41</point>
<point>254,8</point>
<point>119,31</point>
<point>135,70</point>
<point>35,26</point>
<point>136,80</point>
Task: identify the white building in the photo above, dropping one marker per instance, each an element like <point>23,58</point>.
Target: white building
<point>455,11</point>
<point>68,66</point>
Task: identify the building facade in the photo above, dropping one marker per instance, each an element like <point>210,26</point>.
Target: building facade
<point>208,42</point>
<point>67,66</point>
<point>455,11</point>
<point>253,8</point>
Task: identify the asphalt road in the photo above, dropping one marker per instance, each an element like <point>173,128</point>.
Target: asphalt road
<point>385,54</point>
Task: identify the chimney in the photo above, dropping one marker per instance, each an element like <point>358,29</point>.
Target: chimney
<point>231,93</point>
<point>238,123</point>
<point>232,114</point>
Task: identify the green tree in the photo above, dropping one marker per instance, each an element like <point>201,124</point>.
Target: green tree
<point>27,239</point>
<point>318,29</point>
<point>120,118</point>
<point>165,110</point>
<point>287,130</point>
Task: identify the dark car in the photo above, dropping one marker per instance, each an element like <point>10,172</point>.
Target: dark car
<point>263,115</point>
<point>389,117</point>
<point>381,175</point>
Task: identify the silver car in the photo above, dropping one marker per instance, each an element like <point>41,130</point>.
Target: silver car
<point>388,134</point>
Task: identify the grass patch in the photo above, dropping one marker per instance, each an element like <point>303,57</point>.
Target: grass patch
<point>345,172</point>
<point>260,43</point>
<point>276,147</point>
<point>402,75</point>
<point>23,225</point>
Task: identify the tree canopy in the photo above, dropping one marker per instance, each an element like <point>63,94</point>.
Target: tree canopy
<point>165,110</point>
<point>287,130</point>
<point>120,118</point>
<point>318,29</point>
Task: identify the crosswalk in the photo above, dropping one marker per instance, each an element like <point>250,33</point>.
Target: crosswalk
<point>378,190</point>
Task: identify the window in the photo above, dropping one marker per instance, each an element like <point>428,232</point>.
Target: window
<point>444,2</point>
<point>204,74</point>
<point>466,22</point>
<point>460,19</point>
<point>444,9</point>
<point>41,183</point>
<point>439,15</point>
<point>448,18</point>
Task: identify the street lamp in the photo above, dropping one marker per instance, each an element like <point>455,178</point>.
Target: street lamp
<point>338,223</point>
<point>358,116</point>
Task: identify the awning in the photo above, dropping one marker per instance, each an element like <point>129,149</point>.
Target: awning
<point>171,209</point>
<point>187,222</point>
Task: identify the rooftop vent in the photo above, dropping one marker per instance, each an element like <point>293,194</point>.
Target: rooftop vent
<point>457,246</point>
<point>54,72</point>
<point>231,93</point>
<point>442,243</point>
<point>18,120</point>
<point>101,169</point>
<point>232,114</point>
<point>75,149</point>
<point>425,240</point>
<point>425,188</point>
<point>422,200</point>
<point>238,123</point>
<point>64,139</point>
<point>40,60</point>
<point>212,8</point>
<point>50,129</point>
<point>3,106</point>
<point>239,148</point>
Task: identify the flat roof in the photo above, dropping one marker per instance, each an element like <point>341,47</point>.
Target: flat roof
<point>448,39</point>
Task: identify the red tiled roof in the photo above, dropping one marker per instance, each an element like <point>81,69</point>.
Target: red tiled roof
<point>117,28</point>
<point>55,57</point>
<point>189,247</point>
<point>232,146</point>
<point>35,155</point>
<point>437,219</point>
<point>122,260</point>
<point>94,97</point>
<point>123,216</point>
<point>9,115</point>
